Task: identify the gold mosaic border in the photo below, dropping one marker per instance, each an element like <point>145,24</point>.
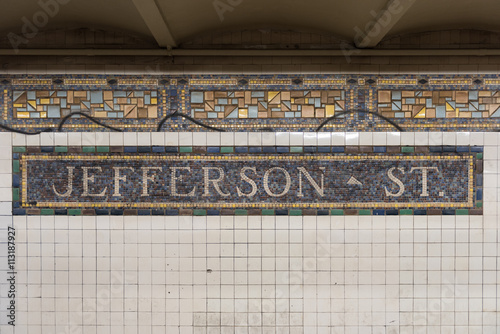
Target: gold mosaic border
<point>194,157</point>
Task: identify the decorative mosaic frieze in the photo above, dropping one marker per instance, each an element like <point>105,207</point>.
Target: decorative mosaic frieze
<point>99,104</point>
<point>253,102</point>
<point>439,103</point>
<point>266,104</point>
<point>253,180</point>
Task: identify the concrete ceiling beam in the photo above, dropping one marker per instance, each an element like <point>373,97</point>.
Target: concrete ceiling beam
<point>384,21</point>
<point>150,13</point>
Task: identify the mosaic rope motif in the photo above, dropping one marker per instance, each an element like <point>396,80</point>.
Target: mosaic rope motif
<point>99,104</point>
<point>267,104</point>
<point>169,180</point>
<point>439,104</point>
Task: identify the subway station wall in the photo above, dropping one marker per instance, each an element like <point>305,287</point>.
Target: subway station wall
<point>357,228</point>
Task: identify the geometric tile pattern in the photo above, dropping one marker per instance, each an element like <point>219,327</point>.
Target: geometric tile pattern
<point>100,104</point>
<point>267,103</point>
<point>439,103</point>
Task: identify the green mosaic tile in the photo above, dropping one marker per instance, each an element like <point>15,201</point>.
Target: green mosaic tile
<point>296,212</point>
<point>295,149</point>
<point>15,166</point>
<point>267,212</point>
<point>19,149</point>
<point>74,212</point>
<point>337,212</point>
<point>15,194</point>
<point>240,212</point>
<point>479,155</point>
<point>227,149</point>
<point>365,212</point>
<point>47,212</point>
<point>200,212</point>
<point>102,149</point>
<point>407,149</point>
<point>88,149</point>
<point>479,204</point>
<point>406,212</point>
<point>61,149</point>
<point>186,149</point>
<point>462,212</point>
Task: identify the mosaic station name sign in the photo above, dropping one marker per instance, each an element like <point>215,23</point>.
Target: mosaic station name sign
<point>246,181</point>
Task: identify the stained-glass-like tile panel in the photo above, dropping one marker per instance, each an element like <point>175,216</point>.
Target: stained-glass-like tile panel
<point>266,103</point>
<point>100,104</point>
<point>439,104</point>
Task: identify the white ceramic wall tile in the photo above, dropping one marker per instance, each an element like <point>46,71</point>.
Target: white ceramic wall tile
<point>379,138</point>
<point>47,139</point>
<point>18,139</point>
<point>213,138</point>
<point>102,138</point>
<point>144,139</point>
<point>435,138</point>
<point>33,140</point>
<point>61,138</point>
<point>407,138</point>
<point>421,138</point>
<point>157,138</point>
<point>282,139</point>
<point>199,138</point>
<point>130,138</point>
<point>365,138</point>
<point>241,138</point>
<point>254,138</point>
<point>269,274</point>
<point>477,138</point>
<point>449,138</point>
<point>338,138</point>
<point>296,139</point>
<point>268,139</point>
<point>185,139</point>
<point>74,138</point>
<point>310,139</point>
<point>171,139</point>
<point>227,138</point>
<point>324,138</point>
<point>5,139</point>
<point>463,138</point>
<point>116,138</point>
<point>352,138</point>
<point>89,139</point>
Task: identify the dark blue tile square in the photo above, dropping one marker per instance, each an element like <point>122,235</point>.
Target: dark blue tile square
<point>379,149</point>
<point>338,149</point>
<point>268,149</point>
<point>213,149</point>
<point>241,149</point>
<point>144,149</point>
<point>282,149</point>
<point>47,149</point>
<point>171,149</point>
<point>158,149</point>
<point>130,149</point>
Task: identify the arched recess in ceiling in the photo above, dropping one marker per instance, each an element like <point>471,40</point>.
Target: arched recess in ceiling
<point>77,38</point>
